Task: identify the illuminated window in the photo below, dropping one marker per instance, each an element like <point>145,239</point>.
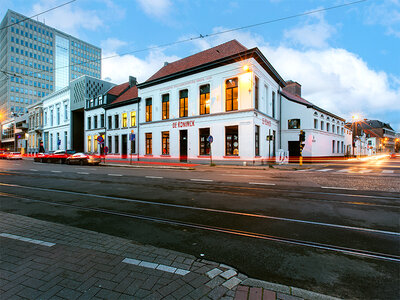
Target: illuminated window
<point>124,120</point>
<point>133,118</point>
<point>204,133</point>
<point>257,141</point>
<point>89,143</point>
<point>232,141</point>
<point>183,103</point>
<point>165,143</point>
<point>148,110</point>
<point>149,138</point>
<point>231,94</point>
<point>95,143</point>
<point>256,92</point>
<point>205,99</point>
<point>165,106</point>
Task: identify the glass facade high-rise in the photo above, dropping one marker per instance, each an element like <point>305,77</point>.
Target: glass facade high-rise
<point>36,60</point>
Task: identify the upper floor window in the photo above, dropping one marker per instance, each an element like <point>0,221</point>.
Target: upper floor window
<point>315,124</point>
<point>102,120</point>
<point>124,120</point>
<point>183,103</point>
<point>89,123</point>
<point>95,122</point>
<point>231,94</point>
<point>256,92</point>
<point>148,110</point>
<point>328,127</point>
<point>116,121</point>
<point>133,118</point>
<point>273,104</point>
<point>165,106</point>
<point>322,125</point>
<point>294,124</point>
<point>205,99</point>
<point>58,116</point>
<point>109,122</point>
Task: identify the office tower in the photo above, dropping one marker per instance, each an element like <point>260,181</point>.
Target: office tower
<point>36,60</point>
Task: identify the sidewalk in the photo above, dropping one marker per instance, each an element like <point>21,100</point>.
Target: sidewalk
<point>43,260</point>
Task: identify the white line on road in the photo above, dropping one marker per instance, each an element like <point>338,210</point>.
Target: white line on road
<point>304,170</point>
<point>324,170</point>
<point>344,170</point>
<point>24,239</point>
<point>83,173</point>
<point>114,174</point>
<point>338,188</point>
<point>242,175</point>
<point>365,171</point>
<point>55,171</point>
<point>198,179</point>
<point>34,170</point>
<point>388,171</point>
<point>154,177</point>
<point>262,183</point>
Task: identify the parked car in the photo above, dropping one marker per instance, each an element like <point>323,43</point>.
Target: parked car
<point>3,154</point>
<point>84,159</point>
<point>14,155</point>
<point>59,156</point>
<point>41,157</point>
<point>393,155</point>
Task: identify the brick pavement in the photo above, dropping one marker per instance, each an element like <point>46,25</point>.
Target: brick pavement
<point>43,260</point>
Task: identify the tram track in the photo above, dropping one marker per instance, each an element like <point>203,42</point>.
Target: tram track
<point>224,230</point>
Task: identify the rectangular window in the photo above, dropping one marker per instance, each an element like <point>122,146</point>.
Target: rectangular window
<point>294,124</point>
<point>322,125</point>
<point>109,144</point>
<point>338,147</point>
<point>204,133</point>
<point>183,103</point>
<point>328,127</point>
<point>205,99</point>
<point>165,143</point>
<point>109,123</point>
<point>116,121</point>
<point>65,111</point>
<point>95,122</point>
<point>315,124</point>
<point>333,146</point>
<point>116,144</point>
<point>124,120</point>
<point>149,138</point>
<point>333,128</point>
<point>257,141</point>
<point>65,139</point>
<point>165,106</point>
<point>232,141</point>
<point>273,104</point>
<point>102,120</point>
<point>133,118</point>
<point>256,92</point>
<point>58,141</point>
<point>58,116</point>
<point>231,94</point>
<point>89,123</point>
<point>89,143</point>
<point>149,107</point>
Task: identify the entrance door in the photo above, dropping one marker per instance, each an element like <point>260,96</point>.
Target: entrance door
<point>183,145</point>
<point>294,151</point>
<point>124,146</point>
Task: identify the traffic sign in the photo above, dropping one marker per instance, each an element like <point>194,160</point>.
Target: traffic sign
<point>100,139</point>
<point>210,139</point>
<point>132,137</point>
<point>58,142</point>
<point>105,149</point>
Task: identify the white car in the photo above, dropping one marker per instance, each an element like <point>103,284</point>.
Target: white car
<point>14,155</point>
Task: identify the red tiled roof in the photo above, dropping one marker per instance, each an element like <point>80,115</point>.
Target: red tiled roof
<point>296,98</point>
<point>118,89</point>
<point>221,51</point>
<point>128,95</point>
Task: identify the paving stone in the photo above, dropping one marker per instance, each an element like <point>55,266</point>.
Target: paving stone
<point>33,283</point>
<point>182,292</point>
<point>214,272</point>
<point>282,296</point>
<point>142,293</point>
<point>228,274</point>
<point>215,282</point>
<point>199,281</point>
<point>269,295</point>
<point>199,292</point>
<point>168,289</point>
<point>217,292</point>
<point>255,293</point>
<point>108,294</point>
<point>231,283</point>
<point>27,292</point>
<point>50,293</point>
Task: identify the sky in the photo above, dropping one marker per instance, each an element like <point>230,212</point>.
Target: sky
<point>346,59</point>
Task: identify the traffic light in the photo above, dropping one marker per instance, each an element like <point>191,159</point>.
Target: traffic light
<point>302,136</point>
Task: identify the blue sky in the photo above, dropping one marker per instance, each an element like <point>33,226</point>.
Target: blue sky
<point>347,60</point>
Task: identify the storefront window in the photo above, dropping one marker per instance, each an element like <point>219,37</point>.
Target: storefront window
<point>232,141</point>
<point>204,133</point>
<point>257,141</point>
<point>149,138</point>
<point>165,143</point>
<point>89,143</point>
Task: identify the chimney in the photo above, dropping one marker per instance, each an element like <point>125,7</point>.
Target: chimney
<point>132,81</point>
<point>293,87</point>
<point>165,63</point>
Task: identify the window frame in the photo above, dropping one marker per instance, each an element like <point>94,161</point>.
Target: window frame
<point>149,108</point>
<point>165,143</point>
<point>232,100</point>
<point>204,106</point>
<point>149,143</point>
<point>204,144</point>
<point>229,132</point>
<point>183,103</point>
<point>165,106</point>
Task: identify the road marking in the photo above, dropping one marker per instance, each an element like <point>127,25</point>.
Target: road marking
<point>242,175</point>
<point>151,265</point>
<point>154,177</point>
<point>24,239</point>
<point>303,170</point>
<point>262,183</point>
<point>198,179</point>
<point>114,174</point>
<point>388,171</point>
<point>365,171</point>
<point>344,170</point>
<point>83,173</point>
<point>338,188</point>
<point>55,171</point>
<point>324,170</point>
<point>34,170</point>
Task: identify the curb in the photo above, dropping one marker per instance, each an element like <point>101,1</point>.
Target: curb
<point>147,166</point>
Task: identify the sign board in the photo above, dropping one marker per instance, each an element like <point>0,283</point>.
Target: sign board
<point>210,139</point>
<point>132,137</point>
<point>105,149</point>
<point>58,142</point>
<point>100,139</point>
<point>282,156</point>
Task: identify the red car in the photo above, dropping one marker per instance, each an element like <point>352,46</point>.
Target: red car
<point>41,157</point>
<point>3,154</point>
<point>84,159</point>
<point>59,156</point>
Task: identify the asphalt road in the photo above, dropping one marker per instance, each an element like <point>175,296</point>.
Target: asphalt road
<point>323,229</point>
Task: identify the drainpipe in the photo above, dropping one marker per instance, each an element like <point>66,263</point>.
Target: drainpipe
<point>280,118</point>
<point>138,127</point>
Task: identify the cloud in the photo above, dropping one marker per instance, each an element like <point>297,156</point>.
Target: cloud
<point>111,45</point>
<point>155,8</point>
<point>334,79</point>
<point>387,14</point>
<point>314,33</point>
<point>119,68</point>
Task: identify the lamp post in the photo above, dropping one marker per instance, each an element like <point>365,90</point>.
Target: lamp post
<point>355,119</point>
